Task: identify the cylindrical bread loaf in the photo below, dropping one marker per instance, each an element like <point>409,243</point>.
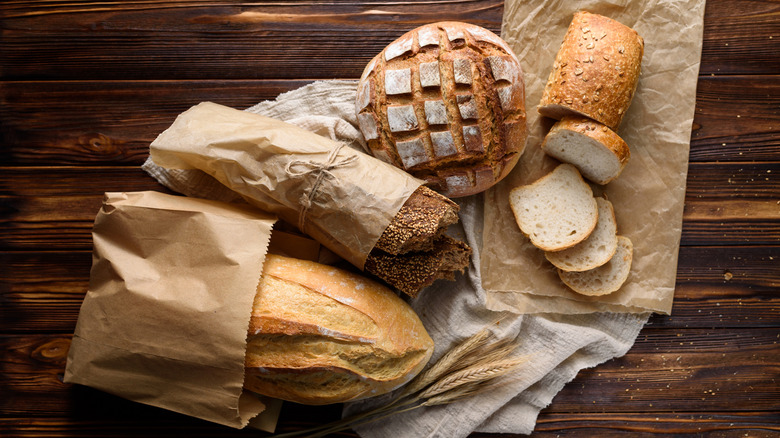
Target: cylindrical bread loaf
<point>596,71</point>
<point>597,151</point>
<point>445,102</point>
<point>321,335</point>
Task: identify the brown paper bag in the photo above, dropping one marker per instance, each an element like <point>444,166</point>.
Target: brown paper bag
<point>165,319</point>
<point>650,193</point>
<point>341,197</point>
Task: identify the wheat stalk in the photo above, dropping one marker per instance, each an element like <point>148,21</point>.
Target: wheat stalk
<point>474,374</point>
<point>468,368</point>
<point>449,360</point>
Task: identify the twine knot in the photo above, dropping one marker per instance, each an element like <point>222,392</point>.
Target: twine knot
<point>321,169</point>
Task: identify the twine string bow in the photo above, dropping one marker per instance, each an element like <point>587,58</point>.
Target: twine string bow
<point>319,170</point>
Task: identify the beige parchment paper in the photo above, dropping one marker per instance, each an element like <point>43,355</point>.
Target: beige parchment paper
<point>341,197</point>
<point>648,196</point>
<point>165,319</point>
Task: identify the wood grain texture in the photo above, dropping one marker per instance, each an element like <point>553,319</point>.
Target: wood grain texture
<point>723,287</point>
<point>61,40</point>
<point>726,204</point>
<point>86,86</point>
<point>86,123</point>
<point>94,40</point>
<point>666,372</point>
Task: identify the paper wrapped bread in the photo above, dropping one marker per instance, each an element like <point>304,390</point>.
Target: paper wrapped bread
<point>353,204</point>
<point>322,335</point>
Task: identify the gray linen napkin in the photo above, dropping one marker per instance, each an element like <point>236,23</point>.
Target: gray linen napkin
<point>558,346</point>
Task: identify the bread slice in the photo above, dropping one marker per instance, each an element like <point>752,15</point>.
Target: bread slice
<point>597,151</point>
<point>556,211</point>
<point>594,251</point>
<point>605,279</point>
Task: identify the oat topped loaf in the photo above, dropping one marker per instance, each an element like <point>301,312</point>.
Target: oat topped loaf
<point>596,71</point>
<point>445,102</point>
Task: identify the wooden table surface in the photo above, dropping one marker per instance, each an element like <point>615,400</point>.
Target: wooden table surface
<point>86,86</point>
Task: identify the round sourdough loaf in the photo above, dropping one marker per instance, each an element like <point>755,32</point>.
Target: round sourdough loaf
<point>596,71</point>
<point>320,335</point>
<point>445,102</point>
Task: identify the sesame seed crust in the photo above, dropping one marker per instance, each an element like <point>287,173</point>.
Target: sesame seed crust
<point>424,216</point>
<point>411,272</point>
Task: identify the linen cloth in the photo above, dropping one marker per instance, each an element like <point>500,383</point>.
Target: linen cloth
<point>558,346</point>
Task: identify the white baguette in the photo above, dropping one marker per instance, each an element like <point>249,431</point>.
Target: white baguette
<point>605,279</point>
<point>557,211</point>
<point>322,335</point>
<point>594,251</point>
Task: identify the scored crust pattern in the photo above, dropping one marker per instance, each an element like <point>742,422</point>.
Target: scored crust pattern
<point>445,102</point>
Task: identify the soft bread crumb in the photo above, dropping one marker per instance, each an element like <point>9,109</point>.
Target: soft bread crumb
<point>597,151</point>
<point>605,279</point>
<point>557,211</point>
<point>594,251</point>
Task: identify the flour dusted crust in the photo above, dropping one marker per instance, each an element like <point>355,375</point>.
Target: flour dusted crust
<point>596,71</point>
<point>445,102</point>
<point>320,335</point>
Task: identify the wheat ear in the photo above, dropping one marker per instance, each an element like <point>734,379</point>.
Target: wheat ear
<point>445,364</point>
<point>473,374</point>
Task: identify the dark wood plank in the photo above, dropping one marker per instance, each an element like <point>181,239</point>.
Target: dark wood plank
<point>726,204</point>
<point>107,123</point>
<point>710,424</point>
<point>740,37</point>
<point>667,371</point>
<point>715,424</point>
<point>193,40</point>
<point>736,119</point>
<point>112,122</point>
<point>678,370</point>
<point>724,287</point>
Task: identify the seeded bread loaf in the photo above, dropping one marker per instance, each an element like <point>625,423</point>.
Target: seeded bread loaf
<point>320,335</point>
<point>445,102</point>
<point>597,151</point>
<point>594,251</point>
<point>606,278</point>
<point>413,271</point>
<point>423,218</point>
<point>557,211</point>
<point>595,72</point>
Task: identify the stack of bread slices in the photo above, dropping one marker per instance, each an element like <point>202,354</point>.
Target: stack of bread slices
<point>591,86</point>
<point>576,230</point>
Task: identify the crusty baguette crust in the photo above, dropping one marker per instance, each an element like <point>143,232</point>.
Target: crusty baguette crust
<point>445,102</point>
<point>601,135</point>
<point>322,335</point>
<point>596,71</point>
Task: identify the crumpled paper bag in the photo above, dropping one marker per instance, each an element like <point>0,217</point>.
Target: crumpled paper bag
<point>341,197</point>
<point>165,319</point>
<point>648,196</point>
